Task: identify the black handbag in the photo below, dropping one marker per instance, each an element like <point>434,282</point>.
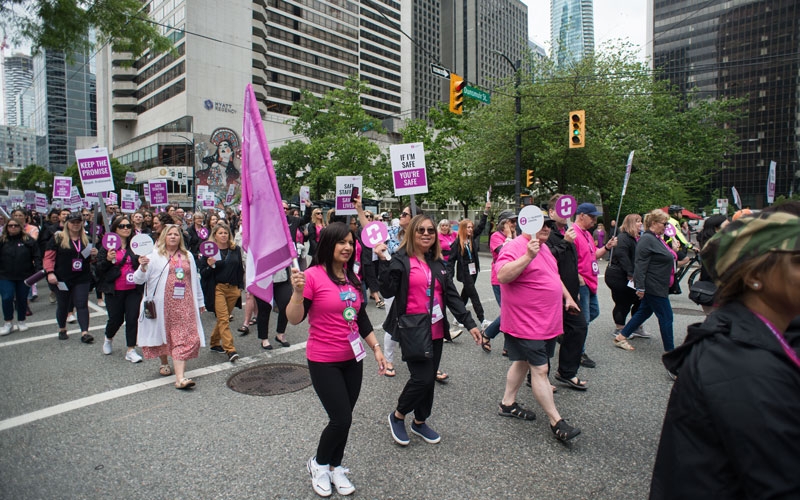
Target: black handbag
<point>414,330</point>
<point>702,293</point>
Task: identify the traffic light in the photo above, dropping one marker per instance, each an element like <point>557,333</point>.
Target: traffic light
<point>577,129</point>
<point>457,85</point>
<point>529,180</point>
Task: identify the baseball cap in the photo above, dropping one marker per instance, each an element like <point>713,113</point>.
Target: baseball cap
<point>506,215</point>
<point>384,215</point>
<point>588,209</point>
<point>74,216</point>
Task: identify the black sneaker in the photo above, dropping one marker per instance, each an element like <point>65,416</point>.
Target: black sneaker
<point>587,362</point>
<point>232,356</point>
<point>217,348</point>
<point>563,431</point>
<point>86,338</point>
<point>62,335</point>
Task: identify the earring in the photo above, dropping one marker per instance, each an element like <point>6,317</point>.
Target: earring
<point>755,285</point>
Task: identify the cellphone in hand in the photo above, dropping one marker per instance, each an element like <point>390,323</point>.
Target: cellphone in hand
<point>354,194</point>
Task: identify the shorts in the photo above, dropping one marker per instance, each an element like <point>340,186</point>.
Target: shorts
<point>532,351</point>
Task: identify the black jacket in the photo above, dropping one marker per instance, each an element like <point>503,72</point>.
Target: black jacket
<point>624,255</point>
<point>652,266</point>
<point>732,427</point>
<point>394,283</point>
<point>107,273</point>
<point>19,258</point>
<point>460,262</point>
<point>567,258</point>
<point>232,266</point>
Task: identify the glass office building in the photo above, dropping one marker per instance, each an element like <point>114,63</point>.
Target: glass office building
<point>571,30</point>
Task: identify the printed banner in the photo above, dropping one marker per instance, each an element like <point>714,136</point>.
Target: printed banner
<point>62,187</point>
<point>344,191</point>
<point>94,168</point>
<point>408,169</point>
<point>128,204</point>
<point>771,183</point>
<point>158,192</point>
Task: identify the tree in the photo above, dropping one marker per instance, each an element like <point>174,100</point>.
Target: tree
<point>334,127</point>
<point>64,25</point>
<point>118,172</point>
<point>32,174</point>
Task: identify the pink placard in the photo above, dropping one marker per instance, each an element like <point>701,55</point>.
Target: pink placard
<point>669,230</point>
<point>112,241</point>
<point>566,206</point>
<point>374,234</point>
<point>208,249</point>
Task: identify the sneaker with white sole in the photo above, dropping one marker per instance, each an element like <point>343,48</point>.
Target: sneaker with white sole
<point>639,332</point>
<point>21,326</point>
<point>422,430</point>
<point>107,346</point>
<point>6,328</point>
<point>455,332</point>
<point>340,481</point>
<point>398,428</point>
<point>485,324</point>
<point>133,356</point>
<point>71,318</point>
<point>320,477</point>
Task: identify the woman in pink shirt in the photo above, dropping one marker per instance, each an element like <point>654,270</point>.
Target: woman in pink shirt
<point>329,293</point>
<point>446,237</point>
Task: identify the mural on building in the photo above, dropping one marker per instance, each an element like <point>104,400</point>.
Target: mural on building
<point>220,169</point>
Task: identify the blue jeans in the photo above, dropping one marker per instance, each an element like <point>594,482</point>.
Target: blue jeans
<point>649,305</point>
<point>589,305</point>
<point>10,290</point>
<point>493,329</point>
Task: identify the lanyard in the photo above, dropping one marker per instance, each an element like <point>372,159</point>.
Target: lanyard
<point>179,262</point>
<point>348,296</point>
<point>786,347</point>
<point>77,245</point>
<point>469,255</point>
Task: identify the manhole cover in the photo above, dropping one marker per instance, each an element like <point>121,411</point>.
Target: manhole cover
<point>270,379</point>
<point>687,312</point>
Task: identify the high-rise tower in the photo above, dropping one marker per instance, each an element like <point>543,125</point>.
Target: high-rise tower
<point>571,30</point>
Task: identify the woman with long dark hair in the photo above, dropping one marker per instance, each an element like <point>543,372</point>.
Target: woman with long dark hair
<point>330,294</point>
<point>19,259</point>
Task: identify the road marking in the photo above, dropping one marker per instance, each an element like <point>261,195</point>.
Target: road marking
<point>48,335</point>
<point>52,411</point>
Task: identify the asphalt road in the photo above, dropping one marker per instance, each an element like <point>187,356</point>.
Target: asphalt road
<point>77,424</point>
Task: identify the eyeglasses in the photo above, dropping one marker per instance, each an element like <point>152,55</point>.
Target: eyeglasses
<point>13,225</point>
<point>368,216</point>
<point>286,208</point>
<point>315,213</point>
<point>124,226</point>
<point>423,230</point>
<point>405,214</point>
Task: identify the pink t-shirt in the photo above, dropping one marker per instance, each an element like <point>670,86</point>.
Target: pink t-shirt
<point>497,239</point>
<point>125,280</point>
<point>327,329</point>
<point>418,300</point>
<point>587,258</point>
<point>446,241</point>
<point>532,305</point>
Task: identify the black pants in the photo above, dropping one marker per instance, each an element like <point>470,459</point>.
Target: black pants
<point>123,305</point>
<point>77,296</point>
<point>625,299</point>
<point>338,386</point>
<point>469,292</point>
<point>282,293</point>
<point>569,355</point>
<point>417,395</point>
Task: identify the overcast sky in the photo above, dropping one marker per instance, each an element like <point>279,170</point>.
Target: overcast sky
<point>613,19</point>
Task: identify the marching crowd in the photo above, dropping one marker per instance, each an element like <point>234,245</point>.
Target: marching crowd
<point>731,421</point>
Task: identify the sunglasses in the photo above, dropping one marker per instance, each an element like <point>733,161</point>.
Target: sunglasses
<point>405,214</point>
<point>423,230</point>
<point>13,225</point>
<point>124,226</point>
<point>368,216</point>
<point>315,213</point>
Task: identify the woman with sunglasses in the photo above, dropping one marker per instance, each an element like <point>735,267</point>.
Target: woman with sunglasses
<point>19,259</point>
<point>313,229</point>
<point>115,268</point>
<point>416,277</point>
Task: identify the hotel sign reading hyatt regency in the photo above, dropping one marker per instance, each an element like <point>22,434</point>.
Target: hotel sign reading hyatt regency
<point>218,106</point>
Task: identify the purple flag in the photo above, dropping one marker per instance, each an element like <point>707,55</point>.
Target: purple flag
<point>265,232</point>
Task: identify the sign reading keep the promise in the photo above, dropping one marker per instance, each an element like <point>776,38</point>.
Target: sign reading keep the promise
<point>408,169</point>
<point>94,168</point>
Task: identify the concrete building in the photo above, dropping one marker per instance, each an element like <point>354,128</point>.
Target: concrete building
<point>17,148</point>
<point>571,30</point>
<point>18,79</point>
<point>65,97</point>
<point>741,49</point>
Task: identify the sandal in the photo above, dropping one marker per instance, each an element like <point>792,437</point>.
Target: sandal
<point>380,304</point>
<point>441,377</point>
<point>184,384</point>
<point>253,321</point>
<point>623,344</point>
<point>515,410</point>
<point>486,344</point>
<point>563,431</point>
<point>390,372</point>
<point>165,371</point>
<point>243,330</point>
<point>579,384</point>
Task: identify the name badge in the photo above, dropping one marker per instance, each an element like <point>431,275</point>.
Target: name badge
<point>87,251</point>
<point>595,268</point>
<point>129,278</point>
<point>357,345</point>
<point>472,269</point>
<point>436,313</point>
<point>77,265</point>
<point>356,267</point>
<point>351,296</point>
<point>179,291</point>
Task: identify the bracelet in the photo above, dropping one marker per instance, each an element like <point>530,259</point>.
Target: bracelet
<point>606,247</point>
<point>376,346</point>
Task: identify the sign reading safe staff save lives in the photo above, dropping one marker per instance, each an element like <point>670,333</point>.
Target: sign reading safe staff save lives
<point>408,169</point>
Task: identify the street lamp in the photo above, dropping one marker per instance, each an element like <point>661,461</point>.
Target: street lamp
<point>518,137</point>
<point>194,169</point>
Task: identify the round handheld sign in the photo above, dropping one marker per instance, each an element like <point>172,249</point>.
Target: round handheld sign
<point>208,249</point>
<point>669,230</point>
<point>566,206</point>
<point>202,233</point>
<point>531,219</point>
<point>111,241</point>
<point>142,244</point>
<point>374,234</point>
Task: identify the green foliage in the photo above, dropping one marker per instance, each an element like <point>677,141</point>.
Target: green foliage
<point>64,25</point>
<point>334,126</point>
<point>30,175</point>
<point>118,172</point>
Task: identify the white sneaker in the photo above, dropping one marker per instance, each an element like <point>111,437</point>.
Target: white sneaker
<point>133,356</point>
<point>6,328</point>
<point>455,332</point>
<point>485,324</point>
<point>71,318</point>
<point>320,477</point>
<point>107,346</point>
<point>21,326</point>
<point>343,485</point>
<point>460,325</point>
<point>639,332</point>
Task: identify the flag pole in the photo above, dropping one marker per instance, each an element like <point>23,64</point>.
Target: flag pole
<point>628,167</point>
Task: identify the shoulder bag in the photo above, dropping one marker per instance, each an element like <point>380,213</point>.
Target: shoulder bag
<point>414,330</point>
<point>149,303</point>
